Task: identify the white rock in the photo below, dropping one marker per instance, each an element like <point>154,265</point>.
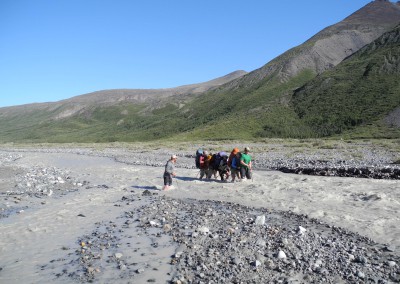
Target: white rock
<point>118,255</point>
<point>302,230</point>
<point>361,274</point>
<point>281,255</point>
<point>260,242</point>
<point>391,263</point>
<point>203,230</point>
<point>260,220</point>
<point>153,223</point>
<point>318,263</point>
<point>178,254</point>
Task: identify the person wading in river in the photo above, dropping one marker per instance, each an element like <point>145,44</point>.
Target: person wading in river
<point>245,164</point>
<point>169,172</point>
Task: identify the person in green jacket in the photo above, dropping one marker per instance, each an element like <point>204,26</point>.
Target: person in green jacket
<point>245,164</point>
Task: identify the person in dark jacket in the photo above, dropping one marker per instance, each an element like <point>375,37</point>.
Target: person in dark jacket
<point>169,172</point>
<point>223,168</point>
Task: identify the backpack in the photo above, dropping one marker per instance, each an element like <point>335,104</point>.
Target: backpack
<point>223,164</point>
<point>215,161</point>
<point>232,155</point>
<point>199,153</point>
<point>235,163</point>
<point>217,158</point>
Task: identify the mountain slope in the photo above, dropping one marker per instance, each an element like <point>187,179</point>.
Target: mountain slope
<point>362,90</point>
<point>146,95</point>
<point>330,46</point>
<point>78,104</point>
<point>95,116</point>
<point>257,104</point>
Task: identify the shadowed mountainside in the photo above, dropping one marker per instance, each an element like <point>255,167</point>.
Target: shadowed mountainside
<point>362,90</point>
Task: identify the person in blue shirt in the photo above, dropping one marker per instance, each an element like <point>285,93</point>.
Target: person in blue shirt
<point>235,166</point>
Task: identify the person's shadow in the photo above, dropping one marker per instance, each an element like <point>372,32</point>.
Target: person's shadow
<point>195,178</point>
<point>153,187</point>
<point>145,187</point>
<point>186,178</point>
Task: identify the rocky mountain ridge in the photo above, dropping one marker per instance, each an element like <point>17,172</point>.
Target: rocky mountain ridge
<point>330,46</point>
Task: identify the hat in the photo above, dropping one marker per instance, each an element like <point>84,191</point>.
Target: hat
<point>235,150</point>
<point>173,157</point>
<point>247,149</point>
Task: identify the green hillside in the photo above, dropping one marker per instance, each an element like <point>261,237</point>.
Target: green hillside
<point>255,111</point>
<point>357,94</point>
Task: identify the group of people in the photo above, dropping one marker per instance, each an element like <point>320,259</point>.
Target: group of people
<point>237,166</point>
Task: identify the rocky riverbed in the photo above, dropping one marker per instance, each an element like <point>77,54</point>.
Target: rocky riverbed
<point>83,215</point>
<point>219,242</point>
<point>362,159</point>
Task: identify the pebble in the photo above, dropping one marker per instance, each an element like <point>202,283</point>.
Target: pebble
<point>281,255</point>
<point>391,263</point>
<point>361,274</point>
<point>260,220</point>
<point>203,230</point>
<point>302,230</point>
<point>153,223</point>
<point>118,255</point>
<point>167,227</point>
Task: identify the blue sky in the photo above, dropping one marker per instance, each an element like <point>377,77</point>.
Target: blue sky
<point>56,49</point>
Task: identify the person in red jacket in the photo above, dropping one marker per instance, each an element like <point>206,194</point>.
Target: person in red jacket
<point>205,165</point>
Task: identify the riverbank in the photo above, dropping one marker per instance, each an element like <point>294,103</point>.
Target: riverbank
<point>97,215</point>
